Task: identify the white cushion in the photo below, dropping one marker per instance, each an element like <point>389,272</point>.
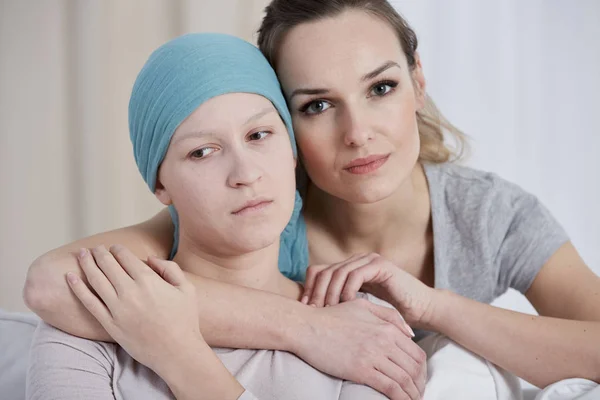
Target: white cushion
<point>16,332</point>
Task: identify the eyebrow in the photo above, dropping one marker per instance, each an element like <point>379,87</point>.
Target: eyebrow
<point>379,70</point>
<point>308,92</point>
<point>199,134</point>
<point>369,76</point>
<point>260,114</point>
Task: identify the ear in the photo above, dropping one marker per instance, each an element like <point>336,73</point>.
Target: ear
<point>161,194</point>
<point>419,82</point>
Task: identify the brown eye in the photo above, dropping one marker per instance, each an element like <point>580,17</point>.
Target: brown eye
<point>258,135</point>
<point>203,152</point>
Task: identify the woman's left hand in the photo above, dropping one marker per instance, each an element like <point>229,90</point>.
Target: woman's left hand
<point>331,284</point>
<point>149,309</point>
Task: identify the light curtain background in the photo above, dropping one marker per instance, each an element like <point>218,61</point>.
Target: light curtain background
<point>520,78</point>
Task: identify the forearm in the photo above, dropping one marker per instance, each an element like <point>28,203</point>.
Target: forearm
<point>198,370</point>
<point>540,350</point>
<point>239,317</point>
<point>46,291</point>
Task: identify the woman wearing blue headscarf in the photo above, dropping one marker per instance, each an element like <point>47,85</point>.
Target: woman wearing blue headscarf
<point>213,139</point>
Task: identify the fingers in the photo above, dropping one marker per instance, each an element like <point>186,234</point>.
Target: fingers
<point>422,380</point>
<point>96,278</point>
<point>406,363</point>
<point>340,276</point>
<point>110,267</point>
<point>168,270</point>
<point>386,385</point>
<point>392,316</point>
<point>309,284</point>
<point>355,280</point>
<point>412,350</point>
<point>313,271</point>
<point>397,374</point>
<point>318,280</point>
<point>129,262</point>
<point>90,301</point>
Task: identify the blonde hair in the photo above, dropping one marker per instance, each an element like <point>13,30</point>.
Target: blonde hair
<point>283,15</point>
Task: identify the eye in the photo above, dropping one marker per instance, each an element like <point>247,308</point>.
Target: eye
<point>260,135</point>
<point>315,107</point>
<point>202,153</point>
<point>380,89</point>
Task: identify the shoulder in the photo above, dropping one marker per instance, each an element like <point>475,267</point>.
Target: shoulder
<point>50,342</point>
<point>474,196</point>
<point>466,181</point>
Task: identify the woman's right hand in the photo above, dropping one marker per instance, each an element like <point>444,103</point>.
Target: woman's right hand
<point>365,343</point>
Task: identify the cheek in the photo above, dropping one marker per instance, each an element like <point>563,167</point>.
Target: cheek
<point>401,121</point>
<point>406,137</point>
<point>194,190</point>
<point>316,145</point>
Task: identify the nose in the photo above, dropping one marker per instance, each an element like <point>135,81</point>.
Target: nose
<point>245,169</point>
<point>355,127</point>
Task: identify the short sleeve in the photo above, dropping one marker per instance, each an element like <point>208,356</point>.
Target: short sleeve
<point>64,367</point>
<point>528,235</point>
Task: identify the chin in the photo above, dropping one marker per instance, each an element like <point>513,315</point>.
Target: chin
<point>370,194</point>
<point>256,238</point>
<point>255,243</point>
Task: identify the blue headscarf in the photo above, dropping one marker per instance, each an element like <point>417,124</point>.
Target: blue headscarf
<point>181,75</point>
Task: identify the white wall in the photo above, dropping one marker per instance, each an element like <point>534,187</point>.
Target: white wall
<point>66,70</point>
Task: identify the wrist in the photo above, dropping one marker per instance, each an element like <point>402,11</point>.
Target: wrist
<point>439,310</point>
<point>180,359</point>
<point>301,326</point>
<point>189,370</point>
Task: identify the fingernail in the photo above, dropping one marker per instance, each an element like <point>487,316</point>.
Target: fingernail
<point>82,252</point>
<point>72,278</point>
<point>410,330</point>
<point>304,300</point>
<point>313,305</point>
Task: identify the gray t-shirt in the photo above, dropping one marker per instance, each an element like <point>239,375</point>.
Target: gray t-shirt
<point>488,234</point>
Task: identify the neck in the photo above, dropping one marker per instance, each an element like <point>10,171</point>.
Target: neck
<point>376,227</point>
<point>257,270</point>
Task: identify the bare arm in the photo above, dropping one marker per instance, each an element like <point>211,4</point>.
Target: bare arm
<point>231,316</point>
<point>562,343</point>
<point>46,292</point>
<point>330,339</point>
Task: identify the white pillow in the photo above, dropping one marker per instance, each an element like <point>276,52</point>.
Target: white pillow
<point>16,332</point>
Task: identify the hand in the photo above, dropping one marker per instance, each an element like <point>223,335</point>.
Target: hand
<point>149,309</point>
<point>365,343</point>
<point>330,284</point>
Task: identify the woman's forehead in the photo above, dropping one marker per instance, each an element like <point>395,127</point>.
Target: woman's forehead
<point>353,40</point>
<point>224,111</point>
